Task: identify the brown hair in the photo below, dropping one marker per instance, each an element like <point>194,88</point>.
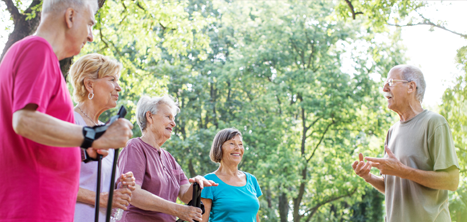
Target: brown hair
<point>216,149</point>
<point>94,66</point>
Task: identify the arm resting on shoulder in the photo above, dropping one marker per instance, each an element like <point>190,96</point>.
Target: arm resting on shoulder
<point>54,132</point>
<point>207,209</point>
<point>447,179</point>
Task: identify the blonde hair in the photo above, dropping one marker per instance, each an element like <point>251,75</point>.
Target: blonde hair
<point>93,66</point>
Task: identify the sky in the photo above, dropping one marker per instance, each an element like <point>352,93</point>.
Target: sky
<point>433,51</point>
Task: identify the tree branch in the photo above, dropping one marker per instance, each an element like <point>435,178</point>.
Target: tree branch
<point>13,10</point>
<point>430,23</point>
<point>320,140</point>
<point>313,210</point>
<point>354,14</point>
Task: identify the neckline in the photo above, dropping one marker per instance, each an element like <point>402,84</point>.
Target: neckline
<point>415,117</point>
<point>246,180</point>
<point>154,148</point>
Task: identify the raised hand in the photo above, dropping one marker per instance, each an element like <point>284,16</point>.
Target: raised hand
<point>203,182</point>
<point>388,166</point>
<point>361,168</point>
<point>116,135</point>
<point>189,213</point>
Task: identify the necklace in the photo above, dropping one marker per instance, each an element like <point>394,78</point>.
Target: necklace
<point>87,116</point>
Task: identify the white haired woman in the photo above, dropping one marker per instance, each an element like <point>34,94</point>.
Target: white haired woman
<point>159,178</point>
<point>236,197</point>
<point>95,82</point>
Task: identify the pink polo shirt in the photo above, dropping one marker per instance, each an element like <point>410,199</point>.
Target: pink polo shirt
<point>155,171</point>
<point>39,182</point>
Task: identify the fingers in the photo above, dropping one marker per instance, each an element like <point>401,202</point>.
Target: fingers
<point>360,156</point>
<point>122,198</point>
<point>354,164</point>
<point>116,136</point>
<point>388,151</point>
<point>102,152</point>
<point>372,159</point>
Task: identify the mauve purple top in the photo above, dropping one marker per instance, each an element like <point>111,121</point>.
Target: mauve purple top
<point>155,171</point>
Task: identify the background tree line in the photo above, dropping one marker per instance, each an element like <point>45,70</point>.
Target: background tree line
<point>300,79</point>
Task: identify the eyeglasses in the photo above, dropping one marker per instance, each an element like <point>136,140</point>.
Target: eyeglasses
<point>392,81</point>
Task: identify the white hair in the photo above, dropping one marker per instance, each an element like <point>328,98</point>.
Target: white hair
<point>413,74</point>
<point>146,104</point>
<point>60,5</point>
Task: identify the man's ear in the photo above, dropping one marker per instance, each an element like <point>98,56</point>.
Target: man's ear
<point>70,17</point>
<point>412,87</point>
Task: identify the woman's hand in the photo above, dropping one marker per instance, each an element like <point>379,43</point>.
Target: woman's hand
<point>121,199</point>
<point>127,180</point>
<point>189,213</point>
<point>203,182</point>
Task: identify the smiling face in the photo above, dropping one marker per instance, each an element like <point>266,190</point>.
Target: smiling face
<point>163,122</point>
<point>106,91</point>
<point>232,150</point>
<point>397,95</point>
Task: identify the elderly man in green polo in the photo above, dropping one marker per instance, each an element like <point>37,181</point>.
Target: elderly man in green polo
<point>420,163</point>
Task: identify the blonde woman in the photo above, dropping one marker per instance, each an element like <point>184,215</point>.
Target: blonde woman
<point>95,81</point>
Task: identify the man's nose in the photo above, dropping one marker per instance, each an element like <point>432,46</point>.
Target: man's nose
<point>90,36</point>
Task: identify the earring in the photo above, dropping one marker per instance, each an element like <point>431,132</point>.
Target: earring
<point>91,95</point>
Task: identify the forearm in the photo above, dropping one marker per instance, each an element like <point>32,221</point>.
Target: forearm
<point>442,180</point>
<point>53,132</point>
<point>89,197</point>
<point>377,182</point>
<point>186,193</point>
<point>145,200</point>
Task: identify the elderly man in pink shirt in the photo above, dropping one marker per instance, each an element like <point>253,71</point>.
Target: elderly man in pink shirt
<point>37,122</point>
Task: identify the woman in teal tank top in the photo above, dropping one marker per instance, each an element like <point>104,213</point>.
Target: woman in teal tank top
<point>236,197</point>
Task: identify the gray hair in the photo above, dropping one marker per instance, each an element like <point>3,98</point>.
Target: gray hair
<point>147,103</point>
<point>413,74</point>
<point>221,137</point>
<point>60,5</point>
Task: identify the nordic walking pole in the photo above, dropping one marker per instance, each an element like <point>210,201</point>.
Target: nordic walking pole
<point>98,188</point>
<point>121,114</point>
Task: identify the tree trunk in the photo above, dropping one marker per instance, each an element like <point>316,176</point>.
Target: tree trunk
<point>283,207</point>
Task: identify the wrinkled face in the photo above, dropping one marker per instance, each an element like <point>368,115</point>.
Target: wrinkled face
<point>163,122</point>
<point>397,94</point>
<point>232,150</point>
<point>81,29</point>
<point>106,91</point>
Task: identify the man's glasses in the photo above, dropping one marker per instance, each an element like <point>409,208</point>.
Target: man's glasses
<point>392,81</point>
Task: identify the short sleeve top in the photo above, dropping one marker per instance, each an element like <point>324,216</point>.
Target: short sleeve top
<point>30,74</point>
<point>233,203</point>
<point>425,143</point>
<point>157,172</point>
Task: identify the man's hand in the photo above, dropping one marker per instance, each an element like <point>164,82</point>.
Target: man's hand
<point>115,136</point>
<point>189,213</point>
<point>361,168</point>
<point>388,166</point>
<point>128,180</point>
<point>203,182</point>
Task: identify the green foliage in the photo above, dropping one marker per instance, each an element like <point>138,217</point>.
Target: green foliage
<point>453,109</point>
